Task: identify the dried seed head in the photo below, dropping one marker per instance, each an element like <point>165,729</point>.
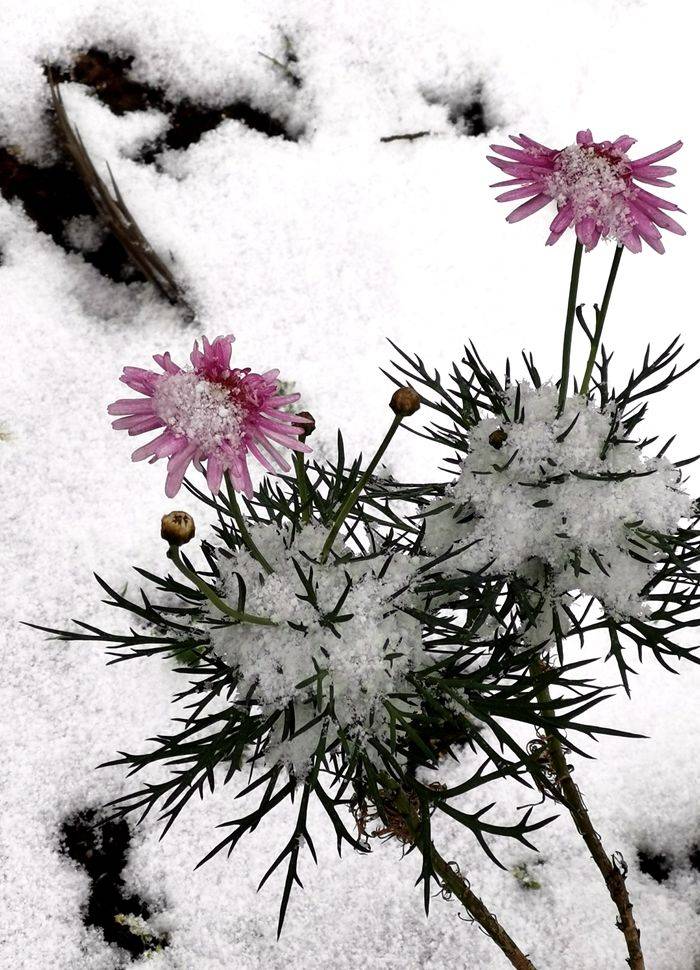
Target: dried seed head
<point>309,427</point>
<point>404,402</point>
<point>177,528</point>
<point>498,438</point>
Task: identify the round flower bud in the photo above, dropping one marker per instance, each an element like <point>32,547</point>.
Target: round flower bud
<point>498,438</point>
<point>309,427</point>
<point>404,402</point>
<point>177,528</point>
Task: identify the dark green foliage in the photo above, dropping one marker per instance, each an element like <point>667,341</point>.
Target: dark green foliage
<point>473,393</point>
<point>479,682</point>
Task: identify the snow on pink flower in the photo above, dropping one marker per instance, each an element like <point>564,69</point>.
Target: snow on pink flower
<point>210,412</point>
<point>594,185</point>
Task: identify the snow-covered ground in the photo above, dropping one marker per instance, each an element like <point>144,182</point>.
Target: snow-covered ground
<point>313,252</point>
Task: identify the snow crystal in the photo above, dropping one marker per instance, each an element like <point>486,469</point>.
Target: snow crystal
<point>84,233</point>
<point>551,493</point>
<point>594,184</point>
<point>200,410</point>
<point>367,650</point>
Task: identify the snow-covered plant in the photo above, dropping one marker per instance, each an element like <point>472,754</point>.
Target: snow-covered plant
<point>566,518</point>
<point>327,665</point>
<point>345,632</point>
<point>590,522</point>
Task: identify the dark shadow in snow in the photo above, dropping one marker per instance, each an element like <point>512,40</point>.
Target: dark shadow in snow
<point>101,848</point>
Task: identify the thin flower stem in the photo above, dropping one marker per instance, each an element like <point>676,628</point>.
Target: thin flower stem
<point>354,495</point>
<point>600,320</point>
<point>569,325</point>
<point>174,556</point>
<point>303,483</point>
<point>242,527</point>
<point>613,874</point>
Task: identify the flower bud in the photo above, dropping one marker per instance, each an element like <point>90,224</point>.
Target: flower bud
<point>498,438</point>
<point>308,427</point>
<point>177,528</point>
<point>404,402</point>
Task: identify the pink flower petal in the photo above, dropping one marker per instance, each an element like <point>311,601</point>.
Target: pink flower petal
<point>595,185</point>
<point>528,208</point>
<point>177,469</point>
<point>521,193</point>
<point>658,156</point>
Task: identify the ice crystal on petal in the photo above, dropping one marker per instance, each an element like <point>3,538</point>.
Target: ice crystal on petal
<point>198,410</point>
<point>366,648</point>
<point>554,496</point>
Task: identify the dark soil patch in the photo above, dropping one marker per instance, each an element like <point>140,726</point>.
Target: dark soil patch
<point>656,865</point>
<point>468,111</point>
<point>108,75</point>
<point>470,117</point>
<point>51,196</point>
<point>101,848</point>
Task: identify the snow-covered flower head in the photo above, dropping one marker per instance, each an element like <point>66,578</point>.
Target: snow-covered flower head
<point>595,186</point>
<point>210,411</point>
<point>342,638</point>
<point>561,491</point>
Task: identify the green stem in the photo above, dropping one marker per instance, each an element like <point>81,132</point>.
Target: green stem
<point>242,527</point>
<point>211,595</point>
<point>303,483</point>
<point>569,325</point>
<point>600,315</point>
<point>353,496</point>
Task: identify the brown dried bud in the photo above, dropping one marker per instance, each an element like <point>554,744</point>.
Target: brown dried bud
<point>404,402</point>
<point>498,438</point>
<point>309,427</point>
<point>177,528</point>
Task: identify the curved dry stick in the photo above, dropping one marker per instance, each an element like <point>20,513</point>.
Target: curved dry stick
<point>112,209</point>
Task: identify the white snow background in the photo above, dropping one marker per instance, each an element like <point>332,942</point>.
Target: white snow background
<point>312,253</point>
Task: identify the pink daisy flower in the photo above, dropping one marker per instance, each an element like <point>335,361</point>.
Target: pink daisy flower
<point>210,412</point>
<point>594,185</point>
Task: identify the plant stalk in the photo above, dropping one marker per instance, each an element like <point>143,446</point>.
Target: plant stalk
<point>459,887</point>
<point>354,495</point>
<point>569,325</point>
<point>613,875</point>
<point>600,315</point>
<point>453,882</point>
<point>242,527</point>
<point>223,607</point>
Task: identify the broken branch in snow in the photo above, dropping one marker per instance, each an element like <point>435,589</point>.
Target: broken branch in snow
<point>409,137</point>
<point>112,209</point>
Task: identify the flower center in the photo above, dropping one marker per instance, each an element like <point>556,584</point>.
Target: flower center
<point>200,410</point>
<point>596,183</point>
